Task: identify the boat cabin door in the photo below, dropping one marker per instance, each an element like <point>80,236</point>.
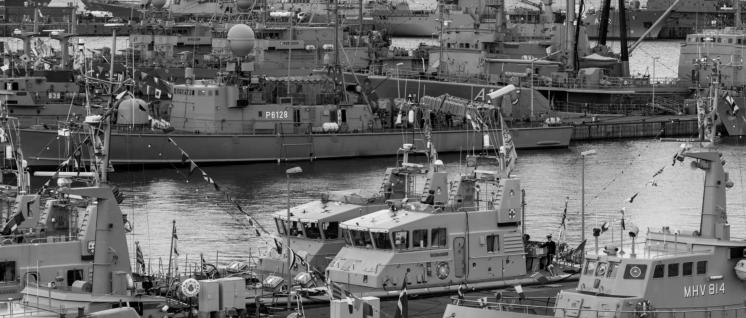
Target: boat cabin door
<point>459,257</point>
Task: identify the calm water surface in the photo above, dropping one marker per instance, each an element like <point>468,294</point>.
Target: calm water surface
<point>207,223</point>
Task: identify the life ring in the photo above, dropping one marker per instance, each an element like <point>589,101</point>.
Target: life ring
<point>644,309</point>
<point>190,287</point>
<point>52,285</point>
<point>442,270</point>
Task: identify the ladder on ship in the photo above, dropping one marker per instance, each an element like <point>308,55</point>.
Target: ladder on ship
<point>295,136</point>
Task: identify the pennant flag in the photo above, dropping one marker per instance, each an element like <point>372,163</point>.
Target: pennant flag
<point>632,198</point>
<point>576,255</point>
<point>278,246</point>
<point>203,264</point>
<point>622,211</point>
<point>564,213</point>
<point>139,256</point>
<point>519,290</point>
<point>175,239</point>
<point>184,157</point>
<point>192,167</point>
<point>402,307</point>
<point>257,232</point>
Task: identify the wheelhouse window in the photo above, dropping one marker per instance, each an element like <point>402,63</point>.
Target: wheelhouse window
<point>294,229</point>
<point>280,226</point>
<point>673,270</point>
<point>439,238</point>
<point>701,267</point>
<point>493,243</point>
<point>419,238</point>
<point>346,236</point>
<point>686,269</point>
<point>331,230</point>
<point>312,230</point>
<point>658,271</point>
<point>590,267</point>
<point>401,240</point>
<point>361,239</point>
<point>601,269</point>
<point>381,240</point>
<point>7,272</point>
<point>613,269</point>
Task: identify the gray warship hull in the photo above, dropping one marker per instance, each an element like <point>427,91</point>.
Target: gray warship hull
<point>46,148</point>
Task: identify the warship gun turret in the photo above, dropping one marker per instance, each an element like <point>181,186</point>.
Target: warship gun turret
<point>675,274</point>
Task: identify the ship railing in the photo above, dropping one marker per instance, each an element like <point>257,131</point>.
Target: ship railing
<point>618,108</point>
<point>19,308</point>
<point>546,306</point>
<point>35,238</point>
<point>610,82</point>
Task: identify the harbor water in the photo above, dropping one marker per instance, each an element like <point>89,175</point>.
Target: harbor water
<point>207,223</point>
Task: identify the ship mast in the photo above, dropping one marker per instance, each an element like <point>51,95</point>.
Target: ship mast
<point>624,58</point>
<point>603,28</point>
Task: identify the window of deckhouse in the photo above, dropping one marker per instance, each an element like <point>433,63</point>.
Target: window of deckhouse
<point>601,269</point>
<point>294,229</point>
<point>613,269</point>
<point>419,238</point>
<point>658,271</point>
<point>346,236</point>
<point>381,240</point>
<point>312,230</point>
<point>331,230</point>
<point>590,267</point>
<point>686,269</point>
<point>493,243</point>
<point>7,272</point>
<point>280,226</point>
<point>673,270</point>
<point>701,267</point>
<point>439,238</point>
<point>401,240</point>
<point>361,238</point>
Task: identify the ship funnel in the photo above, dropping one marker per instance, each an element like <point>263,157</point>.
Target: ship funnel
<point>714,221</point>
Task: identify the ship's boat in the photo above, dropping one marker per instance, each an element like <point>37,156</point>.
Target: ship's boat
<point>673,274</point>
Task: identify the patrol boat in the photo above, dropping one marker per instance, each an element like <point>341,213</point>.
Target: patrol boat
<point>471,233</point>
<point>677,274</point>
<point>313,231</point>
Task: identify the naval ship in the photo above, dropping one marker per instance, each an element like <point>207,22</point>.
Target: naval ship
<point>673,274</point>
<point>245,117</point>
<point>313,232</point>
<point>476,56</point>
<point>688,16</point>
<point>470,233</point>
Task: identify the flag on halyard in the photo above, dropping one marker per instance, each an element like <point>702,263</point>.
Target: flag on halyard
<point>175,238</point>
<point>402,307</point>
<point>140,258</point>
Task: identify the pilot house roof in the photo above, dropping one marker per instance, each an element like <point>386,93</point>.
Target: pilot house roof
<point>336,210</point>
<point>385,220</point>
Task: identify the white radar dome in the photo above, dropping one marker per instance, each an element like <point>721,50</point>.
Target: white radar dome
<point>241,39</point>
<point>243,5</point>
<point>158,4</point>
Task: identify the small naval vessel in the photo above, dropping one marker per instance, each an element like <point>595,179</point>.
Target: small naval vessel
<point>470,232</point>
<point>673,274</point>
<point>313,234</point>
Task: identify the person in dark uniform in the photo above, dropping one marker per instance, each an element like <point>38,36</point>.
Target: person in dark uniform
<point>551,249</point>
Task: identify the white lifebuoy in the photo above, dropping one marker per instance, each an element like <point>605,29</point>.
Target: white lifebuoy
<point>442,270</point>
<point>190,287</point>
